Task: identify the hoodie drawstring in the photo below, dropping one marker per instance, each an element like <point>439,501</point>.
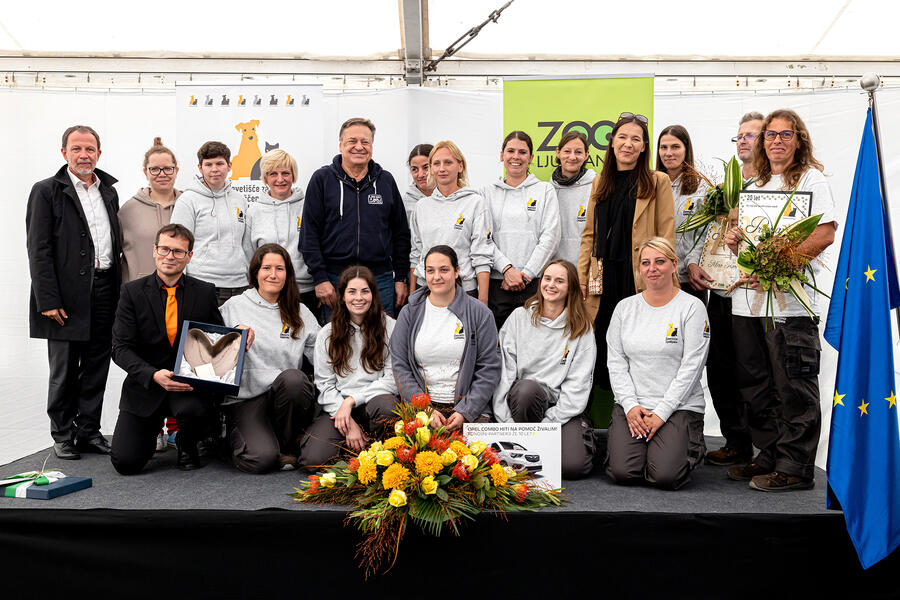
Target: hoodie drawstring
<point>341,185</point>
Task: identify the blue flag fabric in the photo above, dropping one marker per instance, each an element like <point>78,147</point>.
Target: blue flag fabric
<point>864,447</point>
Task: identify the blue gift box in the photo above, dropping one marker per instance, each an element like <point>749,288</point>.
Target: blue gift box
<point>218,387</point>
<point>60,487</point>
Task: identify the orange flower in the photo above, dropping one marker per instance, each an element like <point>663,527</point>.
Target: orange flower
<point>406,454</point>
<point>460,448</point>
<point>439,444</point>
<point>498,475</point>
<point>353,464</point>
<point>409,428</point>
<point>521,492</point>
<point>395,476</point>
<point>489,457</point>
<point>394,442</point>
<point>367,472</point>
<point>461,472</point>
<point>428,463</point>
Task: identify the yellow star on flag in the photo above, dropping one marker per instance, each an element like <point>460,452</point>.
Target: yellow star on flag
<point>892,400</point>
<point>870,274</point>
<point>837,398</point>
<point>862,408</point>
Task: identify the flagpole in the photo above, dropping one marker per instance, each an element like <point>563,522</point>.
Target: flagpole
<point>870,82</point>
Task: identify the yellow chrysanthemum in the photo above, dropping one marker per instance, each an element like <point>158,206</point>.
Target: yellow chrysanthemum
<point>460,448</point>
<point>367,472</point>
<point>394,442</point>
<point>395,476</point>
<point>428,463</point>
<point>498,475</point>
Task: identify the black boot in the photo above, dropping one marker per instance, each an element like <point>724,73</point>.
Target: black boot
<point>188,457</point>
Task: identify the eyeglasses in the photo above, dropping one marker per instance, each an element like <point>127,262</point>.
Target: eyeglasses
<point>747,136</point>
<point>176,253</point>
<point>786,135</point>
<point>156,170</point>
<point>628,115</point>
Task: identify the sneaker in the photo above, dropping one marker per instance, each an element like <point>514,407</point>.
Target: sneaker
<point>746,472</point>
<point>161,442</point>
<point>170,440</point>
<point>726,456</point>
<point>779,482</point>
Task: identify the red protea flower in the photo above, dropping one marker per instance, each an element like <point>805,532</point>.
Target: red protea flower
<point>456,435</point>
<point>439,444</point>
<point>461,472</point>
<point>313,484</point>
<point>409,428</point>
<point>420,400</point>
<point>405,454</point>
<point>521,492</point>
<point>489,457</point>
<point>353,465</point>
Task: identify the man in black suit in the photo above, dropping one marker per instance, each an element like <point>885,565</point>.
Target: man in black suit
<point>74,253</point>
<point>145,336</point>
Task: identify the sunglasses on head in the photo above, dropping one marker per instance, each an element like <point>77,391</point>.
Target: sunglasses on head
<point>628,115</point>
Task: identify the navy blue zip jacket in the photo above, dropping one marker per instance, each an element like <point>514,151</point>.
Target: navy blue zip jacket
<point>348,222</point>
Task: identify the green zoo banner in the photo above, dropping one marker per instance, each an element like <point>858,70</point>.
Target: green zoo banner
<point>548,108</point>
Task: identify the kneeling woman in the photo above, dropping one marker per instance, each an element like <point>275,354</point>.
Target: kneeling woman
<point>657,343</point>
<point>548,352</point>
<point>353,371</point>
<point>276,399</point>
<point>445,344</point>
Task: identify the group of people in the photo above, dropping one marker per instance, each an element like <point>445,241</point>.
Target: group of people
<point>511,302</point>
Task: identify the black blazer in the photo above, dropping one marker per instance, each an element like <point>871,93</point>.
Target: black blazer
<point>140,344</point>
<point>61,254</point>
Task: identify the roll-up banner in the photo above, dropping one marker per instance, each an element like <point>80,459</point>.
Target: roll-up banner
<point>250,119</point>
<point>546,109</point>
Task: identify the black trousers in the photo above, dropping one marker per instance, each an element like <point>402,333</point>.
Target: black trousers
<point>721,366</point>
<point>78,370</point>
<point>134,440</point>
<point>503,302</point>
<point>778,374</point>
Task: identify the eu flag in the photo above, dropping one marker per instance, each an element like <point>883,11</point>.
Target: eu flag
<point>864,447</point>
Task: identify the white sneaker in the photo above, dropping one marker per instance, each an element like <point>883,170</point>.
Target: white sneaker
<point>161,442</point>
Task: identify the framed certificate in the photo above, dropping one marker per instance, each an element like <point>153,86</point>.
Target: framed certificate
<point>762,207</point>
<point>716,258</point>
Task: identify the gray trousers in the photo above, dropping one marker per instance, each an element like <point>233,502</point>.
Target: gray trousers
<point>323,442</point>
<point>528,402</point>
<point>666,461</point>
<point>268,425</point>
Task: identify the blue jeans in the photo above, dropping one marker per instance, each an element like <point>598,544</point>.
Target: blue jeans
<point>385,283</point>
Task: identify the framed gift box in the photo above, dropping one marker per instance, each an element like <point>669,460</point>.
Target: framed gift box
<point>211,357</point>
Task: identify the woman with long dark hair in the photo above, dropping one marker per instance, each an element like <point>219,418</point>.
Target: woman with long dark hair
<point>420,187</point>
<point>525,215</point>
<point>357,391</point>
<point>629,204</point>
<point>572,181</point>
<point>276,399</point>
<point>445,344</point>
<point>548,352</point>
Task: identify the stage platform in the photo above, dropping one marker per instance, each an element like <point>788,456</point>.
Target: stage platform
<point>218,532</point>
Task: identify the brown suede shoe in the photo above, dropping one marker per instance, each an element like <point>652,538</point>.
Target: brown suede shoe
<point>746,472</point>
<point>726,456</point>
<point>779,482</point>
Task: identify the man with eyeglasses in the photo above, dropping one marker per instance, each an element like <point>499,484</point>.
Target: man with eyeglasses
<point>147,327</point>
<point>72,235</point>
<point>748,130</point>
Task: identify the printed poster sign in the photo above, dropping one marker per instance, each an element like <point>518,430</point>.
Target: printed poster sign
<point>250,119</point>
<point>535,447</point>
<point>546,109</point>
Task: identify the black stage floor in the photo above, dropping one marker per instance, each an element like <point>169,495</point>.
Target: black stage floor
<point>218,532</point>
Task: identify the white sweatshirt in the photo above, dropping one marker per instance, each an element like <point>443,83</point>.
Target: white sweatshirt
<point>461,221</point>
<point>688,246</point>
<point>273,221</point>
<point>546,355</point>
<point>656,355</point>
<point>411,197</point>
<point>526,225</point>
<point>359,384</point>
<point>216,218</point>
<point>573,203</point>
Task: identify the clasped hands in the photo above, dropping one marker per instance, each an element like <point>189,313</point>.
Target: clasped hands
<point>642,423</point>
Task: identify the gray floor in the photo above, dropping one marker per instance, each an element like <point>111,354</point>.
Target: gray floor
<point>221,487</point>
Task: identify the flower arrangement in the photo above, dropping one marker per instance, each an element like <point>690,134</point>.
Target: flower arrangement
<point>720,199</point>
<point>422,474</point>
<point>775,258</point>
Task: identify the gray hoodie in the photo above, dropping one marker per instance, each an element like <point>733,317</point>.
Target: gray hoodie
<point>461,221</point>
<point>140,218</point>
<point>479,368</point>
<point>359,384</point>
<point>216,218</point>
<point>546,355</point>
<point>273,349</point>
<point>273,221</point>
<point>526,225</point>
<point>411,196</point>
<point>573,203</point>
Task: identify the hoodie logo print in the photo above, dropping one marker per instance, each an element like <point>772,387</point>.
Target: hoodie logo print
<point>459,222</point>
<point>706,329</point>
<point>458,333</point>
<point>672,334</point>
<point>240,214</point>
<point>375,199</point>
<point>580,218</point>
<point>531,205</point>
<point>565,355</point>
<point>285,331</point>
<point>299,222</point>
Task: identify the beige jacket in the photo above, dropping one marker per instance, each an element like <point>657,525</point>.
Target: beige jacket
<point>653,216</point>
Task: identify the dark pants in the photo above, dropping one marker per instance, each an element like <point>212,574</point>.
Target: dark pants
<point>666,461</point>
<point>323,442</point>
<point>721,367</point>
<point>78,370</point>
<point>134,440</point>
<point>777,371</point>
<point>268,425</point>
<point>386,292</point>
<point>223,294</point>
<point>528,402</point>
<point>503,302</point>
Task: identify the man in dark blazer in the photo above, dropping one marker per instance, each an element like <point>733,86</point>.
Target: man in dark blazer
<point>145,346</point>
<point>74,250</point>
